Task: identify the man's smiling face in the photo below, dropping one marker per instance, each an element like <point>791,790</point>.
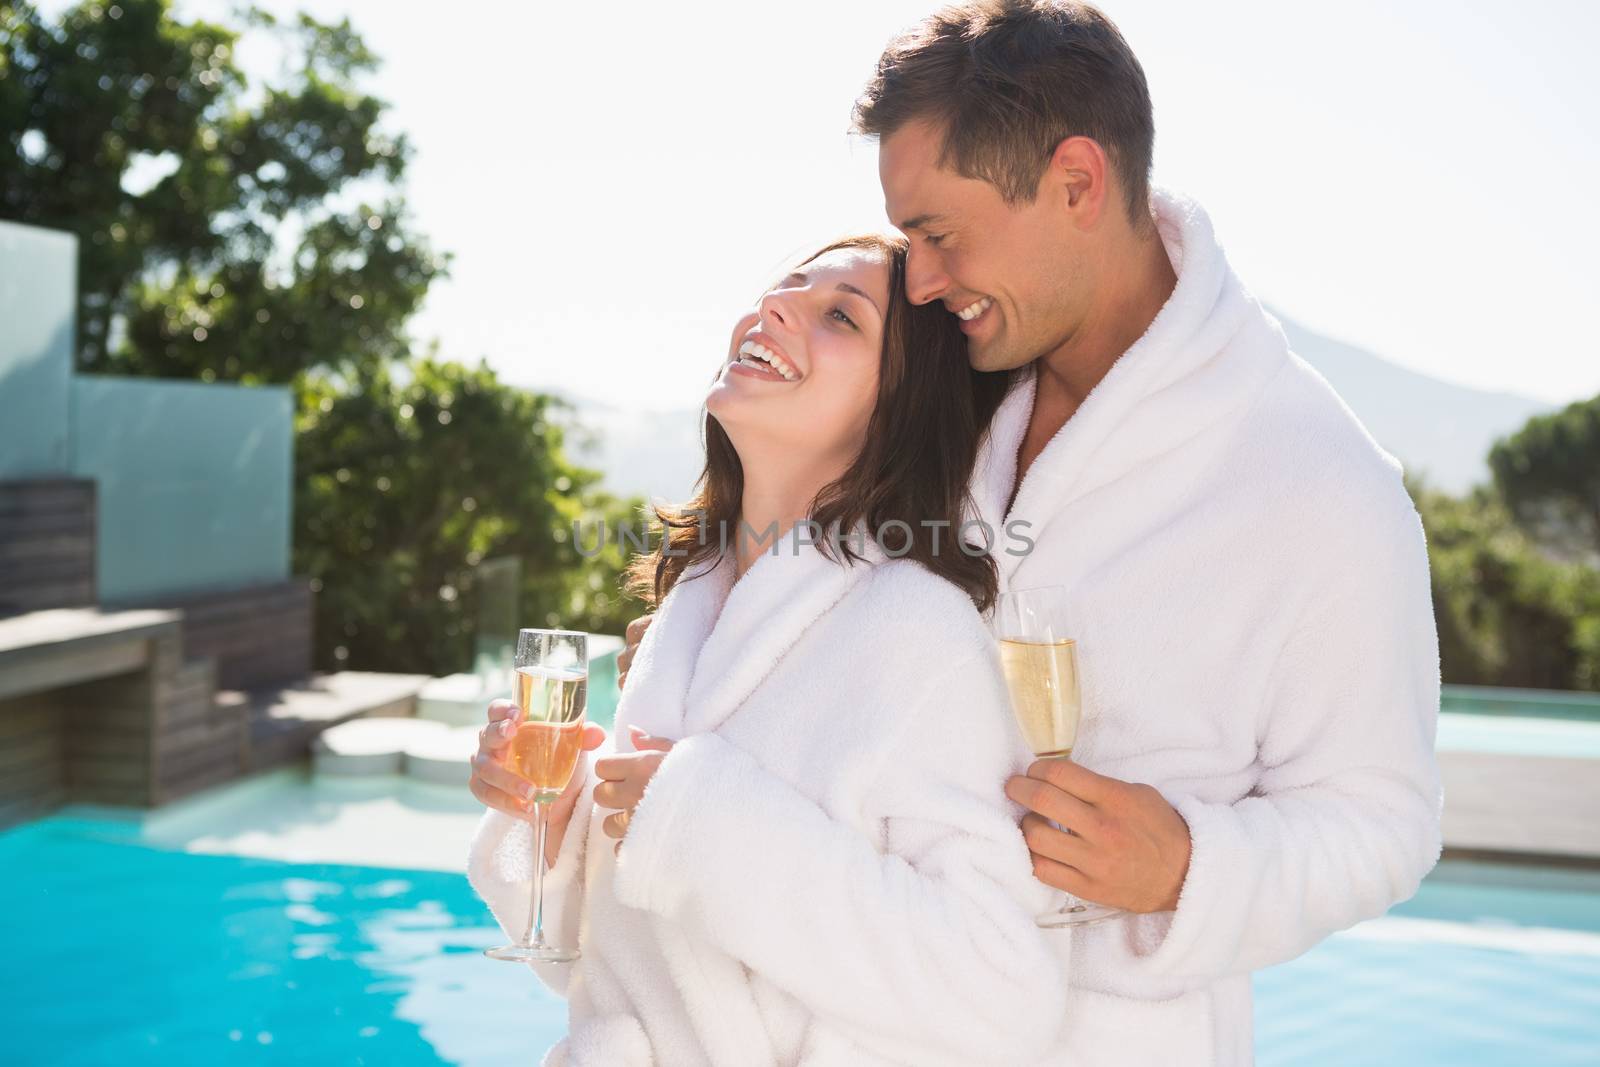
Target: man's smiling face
<point>1009,271</point>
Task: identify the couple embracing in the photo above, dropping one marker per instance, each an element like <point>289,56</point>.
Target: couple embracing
<point>816,836</point>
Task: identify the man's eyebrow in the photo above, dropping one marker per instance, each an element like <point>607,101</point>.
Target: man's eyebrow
<point>920,222</point>
<point>800,276</point>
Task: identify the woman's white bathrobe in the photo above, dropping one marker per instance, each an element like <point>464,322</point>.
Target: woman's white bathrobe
<point>825,869</point>
<point>1257,643</point>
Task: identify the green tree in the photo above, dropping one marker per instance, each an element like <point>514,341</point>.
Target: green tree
<point>257,233</point>
<point>187,187</point>
<point>411,475</point>
<point>1507,614</point>
<point>1549,475</point>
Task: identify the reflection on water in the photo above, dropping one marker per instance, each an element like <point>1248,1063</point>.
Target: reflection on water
<point>218,959</point>
<point>120,953</point>
<point>1488,964</point>
<point>458,1000</point>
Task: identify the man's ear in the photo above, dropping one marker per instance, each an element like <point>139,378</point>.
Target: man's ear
<point>1079,178</point>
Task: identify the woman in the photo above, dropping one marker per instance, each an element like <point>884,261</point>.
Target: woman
<point>819,866</point>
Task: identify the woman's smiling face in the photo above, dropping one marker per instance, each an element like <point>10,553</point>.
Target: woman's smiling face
<point>802,368</point>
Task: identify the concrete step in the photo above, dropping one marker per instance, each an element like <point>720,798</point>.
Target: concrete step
<point>417,748</point>
<point>370,745</point>
<point>443,759</point>
<point>285,719</point>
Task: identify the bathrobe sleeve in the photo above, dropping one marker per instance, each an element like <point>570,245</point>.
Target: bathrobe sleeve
<point>500,868</point>
<point>1344,819</point>
<point>920,943</point>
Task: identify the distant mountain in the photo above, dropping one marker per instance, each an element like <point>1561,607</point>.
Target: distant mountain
<point>650,454</point>
<point>1439,430</point>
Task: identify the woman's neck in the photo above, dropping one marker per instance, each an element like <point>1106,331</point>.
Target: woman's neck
<point>774,500</point>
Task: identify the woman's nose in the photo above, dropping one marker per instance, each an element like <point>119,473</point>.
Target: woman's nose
<point>776,308</point>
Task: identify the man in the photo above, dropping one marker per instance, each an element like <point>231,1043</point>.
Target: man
<point>1259,658</point>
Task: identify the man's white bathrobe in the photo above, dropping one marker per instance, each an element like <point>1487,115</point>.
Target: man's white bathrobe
<point>1257,643</point>
<point>825,869</point>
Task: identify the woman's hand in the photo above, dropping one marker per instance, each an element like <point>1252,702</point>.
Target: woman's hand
<point>502,790</point>
<point>623,778</point>
<point>632,636</point>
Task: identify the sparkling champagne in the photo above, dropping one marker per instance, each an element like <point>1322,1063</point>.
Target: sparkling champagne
<point>546,746</point>
<point>1038,630</point>
<point>551,685</point>
<point>1043,679</point>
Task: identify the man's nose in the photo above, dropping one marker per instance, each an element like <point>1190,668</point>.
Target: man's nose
<point>926,280</point>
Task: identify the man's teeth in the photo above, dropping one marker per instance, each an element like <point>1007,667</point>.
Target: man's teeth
<point>973,310</point>
<point>758,355</point>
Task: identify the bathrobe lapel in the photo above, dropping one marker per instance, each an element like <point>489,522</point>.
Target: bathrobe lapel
<point>712,644</point>
<point>715,639</point>
<point>1187,374</point>
<point>765,615</point>
<point>658,681</point>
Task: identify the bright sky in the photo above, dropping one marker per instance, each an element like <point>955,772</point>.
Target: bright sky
<point>618,181</point>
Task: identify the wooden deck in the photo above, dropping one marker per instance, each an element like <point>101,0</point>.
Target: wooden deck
<point>137,704</point>
<point>71,683</point>
<point>45,649</point>
<point>103,707</point>
<point>258,636</point>
<point>47,554</point>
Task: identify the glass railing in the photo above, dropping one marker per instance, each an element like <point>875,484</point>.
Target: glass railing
<point>1531,703</point>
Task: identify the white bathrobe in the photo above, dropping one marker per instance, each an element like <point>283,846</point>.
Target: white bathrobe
<point>1257,643</point>
<point>825,869</point>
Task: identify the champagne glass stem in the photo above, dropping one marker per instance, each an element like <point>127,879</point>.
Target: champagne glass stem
<point>534,937</point>
<point>1070,906</point>
<point>1074,910</point>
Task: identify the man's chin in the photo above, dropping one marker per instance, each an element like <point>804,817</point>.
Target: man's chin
<point>989,357</point>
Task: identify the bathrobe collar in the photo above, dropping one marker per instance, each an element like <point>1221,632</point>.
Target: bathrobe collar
<point>1183,376</point>
<point>714,639</point>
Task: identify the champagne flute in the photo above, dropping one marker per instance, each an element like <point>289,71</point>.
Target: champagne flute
<point>1039,656</point>
<point>551,679</point>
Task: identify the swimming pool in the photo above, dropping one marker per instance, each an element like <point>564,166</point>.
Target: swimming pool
<point>1487,965</point>
<point>119,952</point>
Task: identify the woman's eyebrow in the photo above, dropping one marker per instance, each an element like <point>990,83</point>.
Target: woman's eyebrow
<point>847,287</point>
<point>800,276</point>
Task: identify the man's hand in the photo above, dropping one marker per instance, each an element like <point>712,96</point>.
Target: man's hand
<point>1128,847</point>
<point>632,635</point>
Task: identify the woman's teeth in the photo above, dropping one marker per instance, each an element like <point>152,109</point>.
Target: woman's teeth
<point>973,310</point>
<point>761,357</point>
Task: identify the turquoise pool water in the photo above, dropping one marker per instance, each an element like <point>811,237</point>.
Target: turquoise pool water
<point>115,952</point>
<point>1486,965</point>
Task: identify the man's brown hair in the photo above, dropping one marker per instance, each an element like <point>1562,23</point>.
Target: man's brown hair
<point>1008,80</point>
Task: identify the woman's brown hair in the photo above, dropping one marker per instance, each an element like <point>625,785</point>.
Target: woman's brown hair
<point>911,474</point>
